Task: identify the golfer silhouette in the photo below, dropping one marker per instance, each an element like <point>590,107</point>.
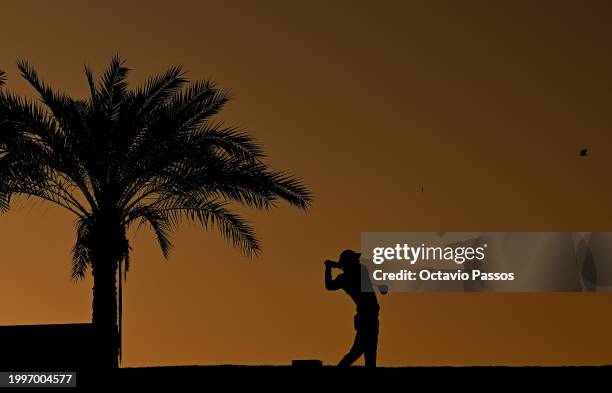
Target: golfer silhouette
<point>355,281</point>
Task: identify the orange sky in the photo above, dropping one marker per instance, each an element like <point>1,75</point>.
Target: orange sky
<point>484,105</point>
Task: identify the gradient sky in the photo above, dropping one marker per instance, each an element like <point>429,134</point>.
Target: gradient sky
<point>484,104</point>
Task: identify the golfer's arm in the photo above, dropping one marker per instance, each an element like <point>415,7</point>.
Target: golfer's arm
<point>330,283</point>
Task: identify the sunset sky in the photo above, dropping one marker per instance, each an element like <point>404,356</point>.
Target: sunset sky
<point>483,105</point>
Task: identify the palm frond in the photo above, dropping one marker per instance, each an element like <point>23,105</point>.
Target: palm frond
<point>233,141</point>
<point>213,214</point>
<point>91,82</point>
<point>113,85</point>
<point>159,88</point>
<point>59,104</point>
<point>5,201</point>
<point>198,102</point>
<point>80,251</point>
<point>33,140</point>
<point>160,226</point>
<point>165,217</point>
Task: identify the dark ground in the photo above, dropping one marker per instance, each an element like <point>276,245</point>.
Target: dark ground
<point>262,378</point>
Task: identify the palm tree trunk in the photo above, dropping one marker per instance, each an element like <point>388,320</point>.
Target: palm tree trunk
<point>104,316</point>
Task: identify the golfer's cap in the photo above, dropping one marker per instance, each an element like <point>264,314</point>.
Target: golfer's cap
<point>349,256</point>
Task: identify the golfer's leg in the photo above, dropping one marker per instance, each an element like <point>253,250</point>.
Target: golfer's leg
<point>354,353</point>
<point>370,348</point>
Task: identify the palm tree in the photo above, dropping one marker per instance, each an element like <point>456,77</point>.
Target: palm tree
<point>4,197</point>
<point>151,156</point>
